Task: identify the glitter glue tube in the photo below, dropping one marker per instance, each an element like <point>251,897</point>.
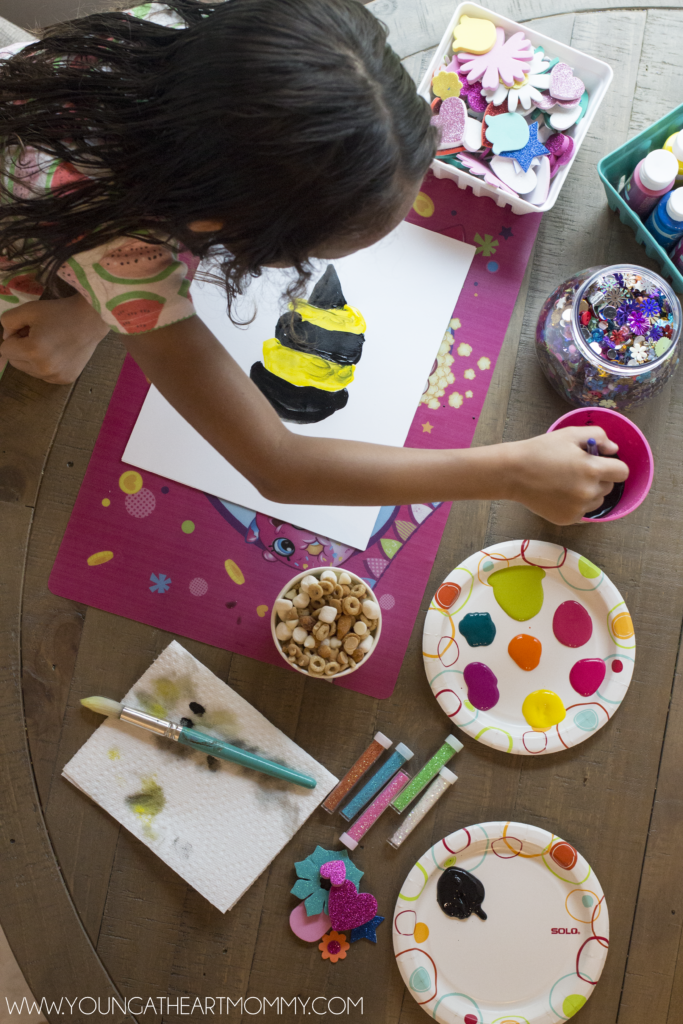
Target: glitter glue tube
<point>366,760</point>
<point>449,749</point>
<point>352,837</point>
<point>652,177</point>
<point>441,783</point>
<point>401,754</point>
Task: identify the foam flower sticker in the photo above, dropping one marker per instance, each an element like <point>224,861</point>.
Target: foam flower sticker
<point>526,91</point>
<point>486,246</point>
<point>334,946</point>
<point>508,61</point>
<point>160,583</point>
<point>446,84</point>
<point>308,887</point>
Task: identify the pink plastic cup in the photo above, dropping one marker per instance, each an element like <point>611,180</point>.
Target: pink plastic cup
<point>633,450</point>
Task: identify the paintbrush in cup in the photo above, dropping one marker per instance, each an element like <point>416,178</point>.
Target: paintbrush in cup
<point>196,740</point>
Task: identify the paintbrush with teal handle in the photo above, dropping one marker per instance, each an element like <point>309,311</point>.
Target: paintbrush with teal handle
<point>197,740</point>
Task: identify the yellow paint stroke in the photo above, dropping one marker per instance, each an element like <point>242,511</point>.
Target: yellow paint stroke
<point>147,803</point>
<point>348,319</point>
<point>130,482</point>
<point>100,557</point>
<point>234,572</point>
<point>305,369</point>
<point>114,754</point>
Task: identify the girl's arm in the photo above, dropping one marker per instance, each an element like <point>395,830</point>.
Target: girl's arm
<point>551,474</point>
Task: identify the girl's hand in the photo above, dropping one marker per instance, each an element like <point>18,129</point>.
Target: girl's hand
<point>52,340</point>
<point>555,477</point>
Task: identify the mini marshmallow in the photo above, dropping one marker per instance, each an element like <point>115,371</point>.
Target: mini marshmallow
<point>302,600</point>
<point>366,644</point>
<point>370,608</point>
<point>282,631</point>
<point>344,579</point>
<point>306,582</point>
<point>290,595</point>
<point>309,642</point>
<point>327,614</point>
<point>299,635</point>
<point>360,628</point>
<point>334,642</point>
<point>282,606</point>
<point>328,575</point>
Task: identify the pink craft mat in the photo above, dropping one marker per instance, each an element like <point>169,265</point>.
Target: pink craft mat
<point>169,544</point>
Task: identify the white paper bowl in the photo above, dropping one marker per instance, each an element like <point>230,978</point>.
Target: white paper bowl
<point>595,74</point>
<point>294,582</point>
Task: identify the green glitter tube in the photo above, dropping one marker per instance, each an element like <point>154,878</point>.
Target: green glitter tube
<point>450,747</point>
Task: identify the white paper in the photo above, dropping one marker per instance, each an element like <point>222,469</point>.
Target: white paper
<point>406,287</point>
<point>218,829</point>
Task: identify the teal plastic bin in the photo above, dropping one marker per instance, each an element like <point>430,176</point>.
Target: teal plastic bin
<point>620,163</point>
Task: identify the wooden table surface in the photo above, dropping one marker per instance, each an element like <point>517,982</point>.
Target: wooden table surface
<point>88,910</point>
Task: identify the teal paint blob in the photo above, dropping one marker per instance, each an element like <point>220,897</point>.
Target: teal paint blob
<point>587,900</point>
<point>478,629</point>
<point>586,719</point>
<point>420,980</point>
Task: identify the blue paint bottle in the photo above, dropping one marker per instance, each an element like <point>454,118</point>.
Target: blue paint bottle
<point>401,754</point>
<point>665,223</point>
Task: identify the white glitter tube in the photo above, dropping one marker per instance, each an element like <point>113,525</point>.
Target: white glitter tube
<point>438,787</point>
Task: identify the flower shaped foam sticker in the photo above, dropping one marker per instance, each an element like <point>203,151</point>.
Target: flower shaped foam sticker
<point>508,61</point>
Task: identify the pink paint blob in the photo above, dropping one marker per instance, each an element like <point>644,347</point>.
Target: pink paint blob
<point>310,929</point>
<point>586,676</point>
<point>482,686</point>
<point>572,625</point>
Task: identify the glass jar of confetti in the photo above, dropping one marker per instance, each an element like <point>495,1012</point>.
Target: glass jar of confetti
<point>609,336</point>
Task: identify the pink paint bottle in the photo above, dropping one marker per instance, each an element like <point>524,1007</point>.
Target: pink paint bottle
<point>652,177</point>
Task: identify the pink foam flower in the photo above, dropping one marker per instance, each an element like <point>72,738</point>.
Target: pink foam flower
<point>507,61</point>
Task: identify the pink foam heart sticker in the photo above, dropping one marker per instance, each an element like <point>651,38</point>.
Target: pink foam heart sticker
<point>451,121</point>
<point>349,908</point>
<point>335,870</point>
<point>564,85</point>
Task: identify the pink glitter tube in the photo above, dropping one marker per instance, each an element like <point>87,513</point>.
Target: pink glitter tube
<point>370,816</point>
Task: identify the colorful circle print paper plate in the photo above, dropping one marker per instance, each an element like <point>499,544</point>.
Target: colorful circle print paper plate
<point>539,952</point>
<point>528,647</point>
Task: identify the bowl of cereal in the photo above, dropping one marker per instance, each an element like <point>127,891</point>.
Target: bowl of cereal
<point>326,622</point>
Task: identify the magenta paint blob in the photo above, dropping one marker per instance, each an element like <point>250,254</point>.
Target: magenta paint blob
<point>617,666</point>
<point>482,686</point>
<point>572,625</point>
<point>587,675</point>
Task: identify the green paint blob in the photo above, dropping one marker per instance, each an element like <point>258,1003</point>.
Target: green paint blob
<point>572,1005</point>
<point>518,590</point>
<point>470,707</point>
<point>187,526</point>
<point>588,570</point>
<point>147,803</point>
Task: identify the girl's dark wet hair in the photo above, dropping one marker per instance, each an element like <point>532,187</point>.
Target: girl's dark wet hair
<point>292,121</point>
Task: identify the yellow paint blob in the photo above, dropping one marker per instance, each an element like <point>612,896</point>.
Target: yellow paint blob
<point>167,691</point>
<point>423,205</point>
<point>347,319</point>
<point>130,482</point>
<point>543,709</point>
<point>100,557</point>
<point>622,626</point>
<point>113,754</point>
<point>518,590</point>
<point>305,369</point>
<point>476,35</point>
<point>106,502</point>
<point>152,706</point>
<point>147,803</point>
<point>234,572</point>
<point>421,933</point>
<point>446,84</point>
<point>587,569</point>
<point>261,610</point>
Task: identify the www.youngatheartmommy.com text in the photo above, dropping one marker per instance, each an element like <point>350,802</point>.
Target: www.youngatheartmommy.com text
<point>205,1006</point>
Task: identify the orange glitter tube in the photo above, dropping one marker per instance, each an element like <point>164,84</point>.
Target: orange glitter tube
<point>366,760</point>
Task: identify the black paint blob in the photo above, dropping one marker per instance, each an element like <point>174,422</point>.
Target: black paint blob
<point>460,894</point>
<point>187,723</point>
<point>196,708</point>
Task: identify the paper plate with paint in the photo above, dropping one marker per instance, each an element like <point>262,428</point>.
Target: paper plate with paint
<point>528,647</point>
<point>501,923</point>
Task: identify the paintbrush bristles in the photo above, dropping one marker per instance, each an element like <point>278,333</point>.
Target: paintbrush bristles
<point>103,706</point>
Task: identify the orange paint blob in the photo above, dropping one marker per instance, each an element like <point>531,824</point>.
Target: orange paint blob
<point>447,595</point>
<point>622,626</point>
<point>564,855</point>
<point>525,651</point>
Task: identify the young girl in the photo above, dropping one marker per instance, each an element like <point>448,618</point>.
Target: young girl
<point>254,133</point>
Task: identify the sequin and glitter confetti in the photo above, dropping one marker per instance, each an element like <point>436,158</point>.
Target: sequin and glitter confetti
<point>627,319</point>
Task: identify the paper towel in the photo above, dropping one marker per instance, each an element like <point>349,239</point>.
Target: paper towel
<point>216,824</point>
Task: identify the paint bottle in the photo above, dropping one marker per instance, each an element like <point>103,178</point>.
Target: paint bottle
<point>652,177</point>
<point>674,144</point>
<point>676,255</point>
<point>665,223</point>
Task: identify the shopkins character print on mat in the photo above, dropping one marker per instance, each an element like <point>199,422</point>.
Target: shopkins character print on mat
<point>144,547</point>
<point>528,647</point>
<point>501,923</point>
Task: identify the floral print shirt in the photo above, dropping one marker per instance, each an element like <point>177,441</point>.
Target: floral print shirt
<point>135,286</point>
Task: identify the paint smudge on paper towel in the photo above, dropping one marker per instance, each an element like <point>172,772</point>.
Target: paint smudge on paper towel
<point>147,803</point>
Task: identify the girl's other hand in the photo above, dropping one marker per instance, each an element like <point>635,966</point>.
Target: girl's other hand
<point>555,477</point>
<point>53,339</point>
